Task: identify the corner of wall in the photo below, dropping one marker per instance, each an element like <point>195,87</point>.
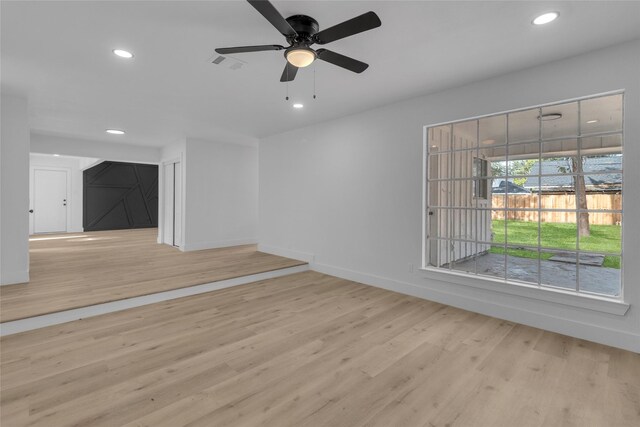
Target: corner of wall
<point>287,253</point>
<point>14,277</point>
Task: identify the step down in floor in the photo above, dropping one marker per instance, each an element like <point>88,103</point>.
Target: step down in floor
<point>30,323</point>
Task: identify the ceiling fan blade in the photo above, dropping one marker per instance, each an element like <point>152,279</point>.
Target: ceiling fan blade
<point>364,22</point>
<point>271,13</point>
<point>289,73</point>
<point>341,60</point>
<point>245,49</point>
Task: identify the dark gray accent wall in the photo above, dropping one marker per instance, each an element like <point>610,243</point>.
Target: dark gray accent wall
<point>119,196</point>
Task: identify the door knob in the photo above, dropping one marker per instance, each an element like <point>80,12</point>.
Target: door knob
<point>30,210</point>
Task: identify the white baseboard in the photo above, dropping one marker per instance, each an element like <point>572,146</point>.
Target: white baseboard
<point>198,246</point>
<point>587,331</point>
<point>14,277</point>
<point>23,325</point>
<point>287,253</point>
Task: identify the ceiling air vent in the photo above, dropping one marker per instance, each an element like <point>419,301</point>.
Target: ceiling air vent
<point>227,62</point>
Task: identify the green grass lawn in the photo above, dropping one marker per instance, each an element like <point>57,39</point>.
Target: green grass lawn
<point>604,238</point>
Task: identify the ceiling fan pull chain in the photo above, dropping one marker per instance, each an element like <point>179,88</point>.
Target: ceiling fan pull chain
<point>314,81</point>
<point>287,85</point>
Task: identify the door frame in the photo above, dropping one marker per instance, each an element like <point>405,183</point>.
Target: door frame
<point>32,185</point>
<point>180,206</point>
<point>433,247</point>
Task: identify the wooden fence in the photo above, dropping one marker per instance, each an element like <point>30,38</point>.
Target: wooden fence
<point>557,201</point>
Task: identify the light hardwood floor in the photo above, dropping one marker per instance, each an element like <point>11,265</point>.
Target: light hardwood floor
<point>80,269</point>
<point>311,350</point>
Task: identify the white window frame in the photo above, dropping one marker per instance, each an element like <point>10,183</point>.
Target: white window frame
<point>573,298</point>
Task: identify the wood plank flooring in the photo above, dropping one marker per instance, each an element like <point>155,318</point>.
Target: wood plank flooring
<point>76,270</point>
<point>311,350</point>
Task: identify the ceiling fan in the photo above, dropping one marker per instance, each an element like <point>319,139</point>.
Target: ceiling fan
<point>301,32</point>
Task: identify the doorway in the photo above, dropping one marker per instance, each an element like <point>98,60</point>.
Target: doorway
<point>172,223</point>
<point>50,195</point>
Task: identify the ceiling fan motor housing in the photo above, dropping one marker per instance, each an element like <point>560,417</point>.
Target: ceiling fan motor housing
<point>305,26</point>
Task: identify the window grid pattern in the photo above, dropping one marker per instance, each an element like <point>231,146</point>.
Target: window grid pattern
<point>453,214</point>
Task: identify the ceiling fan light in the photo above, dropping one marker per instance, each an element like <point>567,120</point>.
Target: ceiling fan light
<point>300,57</point>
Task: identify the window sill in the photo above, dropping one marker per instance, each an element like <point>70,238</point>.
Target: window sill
<point>556,296</point>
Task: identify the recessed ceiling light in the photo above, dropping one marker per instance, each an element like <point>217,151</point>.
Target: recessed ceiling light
<point>56,155</point>
<point>298,105</point>
<point>545,18</point>
<point>550,116</point>
<point>115,131</point>
<point>592,121</point>
<point>123,53</point>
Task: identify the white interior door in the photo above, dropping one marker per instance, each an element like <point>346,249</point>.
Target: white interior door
<point>49,201</point>
<point>172,208</point>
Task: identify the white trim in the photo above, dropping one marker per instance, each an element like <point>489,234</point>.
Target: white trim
<point>554,295</point>
<point>90,165</point>
<point>174,160</point>
<point>287,253</point>
<point>515,110</point>
<point>561,325</point>
<point>161,213</point>
<point>217,244</point>
<point>160,238</point>
<point>31,323</point>
<point>14,277</point>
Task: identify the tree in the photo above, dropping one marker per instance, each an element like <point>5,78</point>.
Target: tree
<point>498,169</point>
<point>521,167</point>
<point>516,167</point>
<point>575,166</point>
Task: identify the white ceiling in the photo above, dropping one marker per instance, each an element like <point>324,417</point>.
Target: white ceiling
<point>59,55</point>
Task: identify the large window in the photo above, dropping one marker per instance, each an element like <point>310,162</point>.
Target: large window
<point>532,196</point>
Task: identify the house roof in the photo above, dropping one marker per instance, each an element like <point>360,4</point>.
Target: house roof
<point>602,172</point>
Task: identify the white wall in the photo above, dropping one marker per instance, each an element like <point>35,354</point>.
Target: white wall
<point>347,194</point>
<point>220,194</point>
<point>74,166</point>
<point>117,152</point>
<point>14,190</point>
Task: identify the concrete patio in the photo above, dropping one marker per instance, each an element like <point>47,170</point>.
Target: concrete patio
<point>601,280</point>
